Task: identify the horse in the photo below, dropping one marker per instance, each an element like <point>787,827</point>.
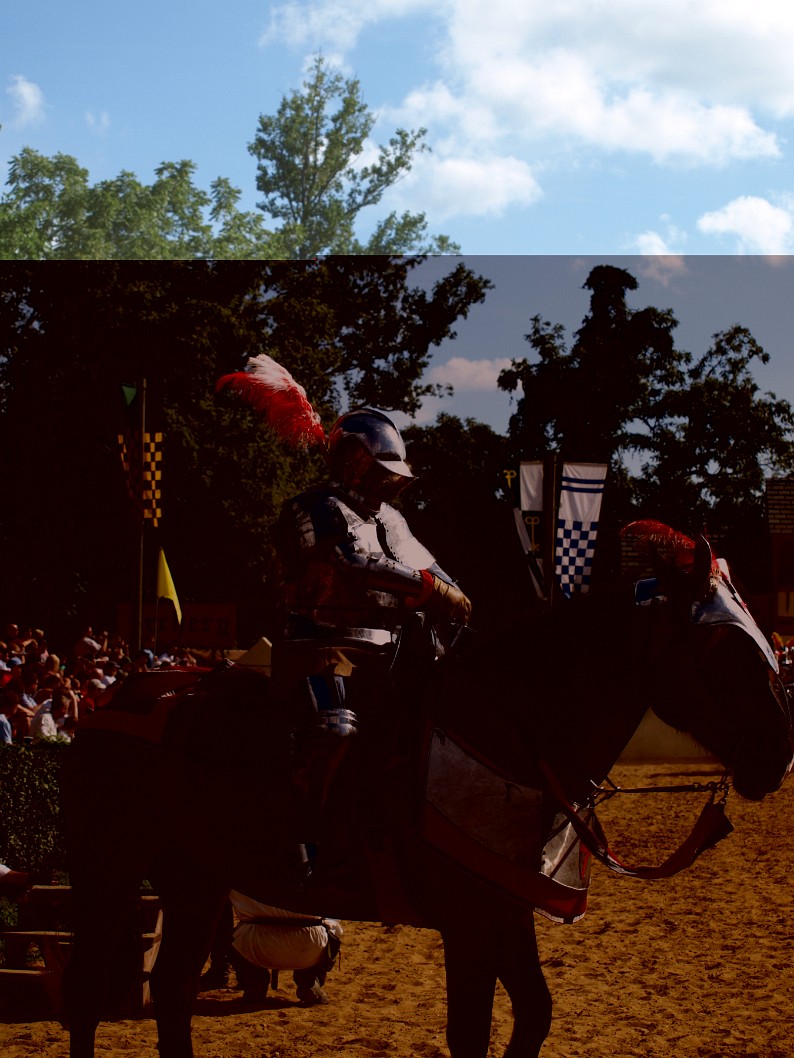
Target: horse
<point>198,809</point>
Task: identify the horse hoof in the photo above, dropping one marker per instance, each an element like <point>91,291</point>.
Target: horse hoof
<point>212,980</point>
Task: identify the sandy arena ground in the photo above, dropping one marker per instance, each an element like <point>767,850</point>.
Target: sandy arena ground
<point>698,966</point>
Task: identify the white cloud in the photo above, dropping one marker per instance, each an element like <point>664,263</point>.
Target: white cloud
<point>28,99</point>
<point>473,376</point>
<point>661,265</point>
<point>661,251</point>
<point>456,185</point>
<point>651,243</point>
<point>675,81</point>
<point>331,23</point>
<point>98,123</point>
<point>756,225</point>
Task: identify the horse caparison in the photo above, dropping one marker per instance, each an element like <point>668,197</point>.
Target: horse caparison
<point>570,688</point>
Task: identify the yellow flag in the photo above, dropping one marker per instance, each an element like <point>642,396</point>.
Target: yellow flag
<point>165,585</point>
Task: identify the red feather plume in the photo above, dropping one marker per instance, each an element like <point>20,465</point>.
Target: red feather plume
<point>272,392</point>
<point>661,536</point>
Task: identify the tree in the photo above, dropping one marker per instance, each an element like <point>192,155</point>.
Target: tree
<point>717,437</point>
<point>708,436</point>
<point>589,402</point>
<point>309,169</point>
<point>71,335</point>
<point>311,173</point>
<point>52,212</point>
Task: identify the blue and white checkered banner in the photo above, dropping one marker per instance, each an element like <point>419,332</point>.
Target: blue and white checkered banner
<point>582,488</point>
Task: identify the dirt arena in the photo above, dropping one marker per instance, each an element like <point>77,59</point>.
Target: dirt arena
<point>698,966</point>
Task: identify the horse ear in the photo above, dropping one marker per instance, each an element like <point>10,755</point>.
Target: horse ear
<point>702,568</point>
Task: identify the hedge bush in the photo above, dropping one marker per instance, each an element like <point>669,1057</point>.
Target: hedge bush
<point>31,831</point>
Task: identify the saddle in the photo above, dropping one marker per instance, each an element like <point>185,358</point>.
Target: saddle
<point>422,788</point>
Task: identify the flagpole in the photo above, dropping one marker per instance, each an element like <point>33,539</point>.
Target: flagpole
<point>550,510</point>
<point>138,630</point>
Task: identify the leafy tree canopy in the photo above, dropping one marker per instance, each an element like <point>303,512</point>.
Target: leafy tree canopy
<point>585,402</point>
<point>309,166</point>
<point>52,213</point>
<point>72,335</point>
<point>704,432</point>
<point>312,173</point>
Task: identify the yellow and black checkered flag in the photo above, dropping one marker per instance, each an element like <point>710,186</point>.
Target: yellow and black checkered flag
<point>143,465</point>
<point>142,462</point>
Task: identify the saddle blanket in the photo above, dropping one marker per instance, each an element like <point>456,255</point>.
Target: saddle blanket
<point>511,836</point>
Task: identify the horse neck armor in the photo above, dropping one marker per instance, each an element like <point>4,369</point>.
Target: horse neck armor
<point>722,606</point>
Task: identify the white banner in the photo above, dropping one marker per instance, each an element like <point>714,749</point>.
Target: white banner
<point>529,520</point>
<point>582,488</point>
<point>530,481</point>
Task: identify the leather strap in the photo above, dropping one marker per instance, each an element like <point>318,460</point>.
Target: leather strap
<point>711,826</point>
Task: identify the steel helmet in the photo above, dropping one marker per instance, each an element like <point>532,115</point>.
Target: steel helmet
<point>366,454</point>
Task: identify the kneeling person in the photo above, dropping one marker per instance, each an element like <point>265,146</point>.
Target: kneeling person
<point>268,939</point>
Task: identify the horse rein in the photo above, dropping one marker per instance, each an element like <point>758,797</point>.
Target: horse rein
<point>711,826</point>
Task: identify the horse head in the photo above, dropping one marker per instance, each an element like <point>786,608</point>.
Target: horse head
<point>714,674</point>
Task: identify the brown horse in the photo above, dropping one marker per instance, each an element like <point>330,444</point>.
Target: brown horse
<point>198,797</point>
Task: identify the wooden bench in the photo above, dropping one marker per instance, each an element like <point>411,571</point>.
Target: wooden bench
<point>44,925</point>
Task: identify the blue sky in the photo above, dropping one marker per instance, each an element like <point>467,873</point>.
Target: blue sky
<point>578,127</point>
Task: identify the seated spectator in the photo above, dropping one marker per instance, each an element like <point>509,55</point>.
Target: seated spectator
<point>142,662</point>
<point>27,683</point>
<point>6,732</point>
<point>89,647</point>
<point>12,665</point>
<point>20,640</point>
<point>183,659</point>
<point>50,720</point>
<point>36,649</point>
<point>117,647</point>
<point>52,665</point>
<point>126,666</point>
<point>93,693</point>
<point>9,710</point>
<point>109,670</point>
<point>46,687</point>
<point>74,698</point>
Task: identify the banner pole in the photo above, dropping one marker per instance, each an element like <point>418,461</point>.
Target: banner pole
<point>550,516</point>
<point>138,630</point>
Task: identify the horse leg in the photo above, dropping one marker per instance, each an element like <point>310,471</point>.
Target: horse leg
<point>105,963</point>
<point>108,851</point>
<point>471,982</point>
<point>192,905</point>
<point>519,970</point>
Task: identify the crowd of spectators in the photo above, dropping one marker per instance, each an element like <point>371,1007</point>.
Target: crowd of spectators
<point>43,694</point>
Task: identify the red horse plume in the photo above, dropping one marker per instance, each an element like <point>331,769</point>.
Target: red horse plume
<point>272,391</point>
<point>665,540</point>
<point>661,536</point>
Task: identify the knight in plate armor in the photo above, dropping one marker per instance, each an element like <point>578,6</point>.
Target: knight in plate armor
<point>353,573</point>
